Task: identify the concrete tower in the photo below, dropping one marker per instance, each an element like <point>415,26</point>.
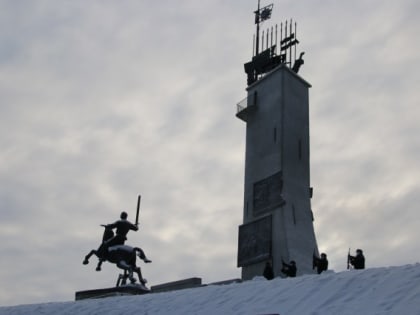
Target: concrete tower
<point>277,216</point>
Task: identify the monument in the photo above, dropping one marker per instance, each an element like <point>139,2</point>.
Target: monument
<point>113,250</point>
<point>277,216</point>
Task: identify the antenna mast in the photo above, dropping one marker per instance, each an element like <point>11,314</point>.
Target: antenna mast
<point>257,21</point>
<point>266,60</point>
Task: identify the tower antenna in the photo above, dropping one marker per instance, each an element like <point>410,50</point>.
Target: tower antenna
<point>272,54</point>
<point>261,15</point>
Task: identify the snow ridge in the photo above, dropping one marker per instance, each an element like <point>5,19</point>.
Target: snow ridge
<point>390,290</point>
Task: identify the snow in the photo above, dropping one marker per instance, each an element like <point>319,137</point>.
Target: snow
<point>390,290</point>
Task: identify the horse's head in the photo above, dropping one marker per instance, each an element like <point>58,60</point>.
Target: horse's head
<point>108,233</point>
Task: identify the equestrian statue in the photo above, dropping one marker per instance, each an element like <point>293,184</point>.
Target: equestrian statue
<point>114,250</point>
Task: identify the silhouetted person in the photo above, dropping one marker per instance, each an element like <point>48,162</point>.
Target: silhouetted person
<point>358,261</point>
<point>289,269</point>
<point>298,63</point>
<point>122,227</point>
<point>268,271</point>
<point>321,264</point>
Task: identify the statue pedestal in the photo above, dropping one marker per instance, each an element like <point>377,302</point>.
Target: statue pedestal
<point>108,292</point>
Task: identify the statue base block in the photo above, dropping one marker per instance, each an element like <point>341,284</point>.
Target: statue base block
<point>108,292</point>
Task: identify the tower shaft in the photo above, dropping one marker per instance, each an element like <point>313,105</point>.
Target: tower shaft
<point>277,216</point>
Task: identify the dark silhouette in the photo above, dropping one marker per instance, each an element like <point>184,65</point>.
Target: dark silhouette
<point>289,269</point>
<point>358,261</point>
<point>123,256</point>
<point>268,271</point>
<point>122,226</point>
<point>298,63</point>
<point>321,264</point>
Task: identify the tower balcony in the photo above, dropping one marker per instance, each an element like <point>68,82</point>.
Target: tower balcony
<point>247,106</point>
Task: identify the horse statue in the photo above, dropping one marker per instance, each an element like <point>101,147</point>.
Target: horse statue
<point>123,256</point>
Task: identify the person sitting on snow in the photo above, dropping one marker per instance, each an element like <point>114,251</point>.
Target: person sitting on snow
<point>268,271</point>
<point>358,261</point>
<point>289,269</point>
<point>321,264</point>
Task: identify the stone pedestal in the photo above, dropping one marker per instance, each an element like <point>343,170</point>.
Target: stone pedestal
<point>177,285</point>
<point>108,292</point>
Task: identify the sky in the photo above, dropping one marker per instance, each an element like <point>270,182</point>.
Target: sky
<point>101,101</point>
<point>387,291</point>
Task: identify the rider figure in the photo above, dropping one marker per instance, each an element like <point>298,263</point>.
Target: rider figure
<point>122,227</point>
<point>118,254</point>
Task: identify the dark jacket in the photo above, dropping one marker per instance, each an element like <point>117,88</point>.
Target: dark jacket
<point>321,264</point>
<point>289,270</point>
<point>123,226</point>
<point>358,261</point>
<point>268,272</point>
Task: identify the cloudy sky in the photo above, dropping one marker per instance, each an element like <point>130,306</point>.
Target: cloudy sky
<point>103,100</point>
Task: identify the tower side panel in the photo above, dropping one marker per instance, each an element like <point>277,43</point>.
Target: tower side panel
<point>263,171</point>
<point>296,173</point>
<point>263,136</point>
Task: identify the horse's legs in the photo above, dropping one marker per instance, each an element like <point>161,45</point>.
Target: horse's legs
<point>122,279</point>
<point>86,261</point>
<point>119,280</point>
<point>128,270</point>
<point>131,277</point>
<point>142,280</point>
<point>98,267</point>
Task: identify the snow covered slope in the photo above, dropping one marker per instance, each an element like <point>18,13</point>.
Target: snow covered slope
<point>392,290</point>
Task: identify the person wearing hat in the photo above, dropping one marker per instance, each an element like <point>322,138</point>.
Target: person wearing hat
<point>358,261</point>
<point>321,264</point>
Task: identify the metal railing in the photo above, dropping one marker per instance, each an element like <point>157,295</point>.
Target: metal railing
<point>250,100</point>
